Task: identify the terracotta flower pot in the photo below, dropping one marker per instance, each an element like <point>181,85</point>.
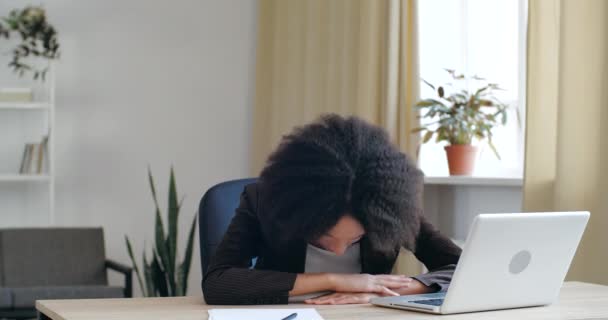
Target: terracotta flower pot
<point>461,159</point>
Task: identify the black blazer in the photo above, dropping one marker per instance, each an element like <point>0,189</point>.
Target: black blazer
<point>229,279</point>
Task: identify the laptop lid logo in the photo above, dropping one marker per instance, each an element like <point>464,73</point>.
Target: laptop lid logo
<point>520,261</point>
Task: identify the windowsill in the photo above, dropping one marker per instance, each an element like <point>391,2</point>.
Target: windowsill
<point>474,181</point>
<point>459,242</point>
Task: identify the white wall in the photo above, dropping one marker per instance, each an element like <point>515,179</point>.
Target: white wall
<point>452,208</point>
<point>148,82</point>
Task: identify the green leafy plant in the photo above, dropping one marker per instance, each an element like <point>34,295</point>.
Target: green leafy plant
<point>462,115</point>
<point>163,277</point>
<point>38,39</point>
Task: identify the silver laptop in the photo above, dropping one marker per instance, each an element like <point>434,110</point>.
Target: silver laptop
<point>508,261</point>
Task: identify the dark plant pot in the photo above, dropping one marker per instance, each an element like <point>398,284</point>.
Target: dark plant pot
<point>461,159</point>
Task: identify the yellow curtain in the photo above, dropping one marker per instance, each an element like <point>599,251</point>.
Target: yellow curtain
<point>566,163</point>
<point>351,57</point>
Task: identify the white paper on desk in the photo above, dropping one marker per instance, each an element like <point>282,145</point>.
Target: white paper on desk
<point>262,314</point>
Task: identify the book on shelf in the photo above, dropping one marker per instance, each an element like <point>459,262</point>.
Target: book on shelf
<point>16,95</point>
<point>26,155</point>
<point>35,158</point>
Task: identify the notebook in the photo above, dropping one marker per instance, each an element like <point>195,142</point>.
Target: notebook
<point>262,314</point>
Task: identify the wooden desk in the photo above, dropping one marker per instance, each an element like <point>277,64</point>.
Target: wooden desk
<point>577,301</point>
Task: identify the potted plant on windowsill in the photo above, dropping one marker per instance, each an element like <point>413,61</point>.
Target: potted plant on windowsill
<point>460,117</point>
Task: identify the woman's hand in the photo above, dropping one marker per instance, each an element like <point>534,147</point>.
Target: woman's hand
<point>414,287</point>
<point>343,298</point>
<point>383,284</point>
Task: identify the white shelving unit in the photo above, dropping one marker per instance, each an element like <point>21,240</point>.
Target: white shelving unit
<point>24,193</point>
<point>24,177</point>
<point>25,106</point>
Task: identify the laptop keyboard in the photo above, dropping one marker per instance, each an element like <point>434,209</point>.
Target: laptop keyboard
<point>431,302</point>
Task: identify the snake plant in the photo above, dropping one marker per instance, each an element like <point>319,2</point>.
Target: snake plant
<point>162,276</point>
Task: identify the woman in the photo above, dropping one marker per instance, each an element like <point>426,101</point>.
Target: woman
<point>329,213</point>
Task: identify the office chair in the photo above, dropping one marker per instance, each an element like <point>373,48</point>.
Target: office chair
<point>216,209</point>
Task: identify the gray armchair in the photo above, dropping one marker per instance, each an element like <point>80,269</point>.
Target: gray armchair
<point>54,263</point>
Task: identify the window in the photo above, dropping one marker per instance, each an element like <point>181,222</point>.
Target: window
<point>484,38</point>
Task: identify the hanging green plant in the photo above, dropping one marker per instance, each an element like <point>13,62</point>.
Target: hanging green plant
<point>37,39</point>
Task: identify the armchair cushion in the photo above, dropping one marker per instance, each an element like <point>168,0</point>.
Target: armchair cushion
<point>6,298</point>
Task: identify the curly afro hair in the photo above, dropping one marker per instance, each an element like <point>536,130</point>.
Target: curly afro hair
<point>337,166</point>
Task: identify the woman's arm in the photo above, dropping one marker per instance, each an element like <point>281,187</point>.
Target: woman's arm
<point>345,282</point>
<point>311,282</point>
<point>229,279</point>
<point>438,253</point>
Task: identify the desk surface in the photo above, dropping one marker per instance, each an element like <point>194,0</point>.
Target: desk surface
<point>577,301</point>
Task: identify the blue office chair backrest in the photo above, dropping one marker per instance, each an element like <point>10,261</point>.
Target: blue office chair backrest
<point>215,213</point>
